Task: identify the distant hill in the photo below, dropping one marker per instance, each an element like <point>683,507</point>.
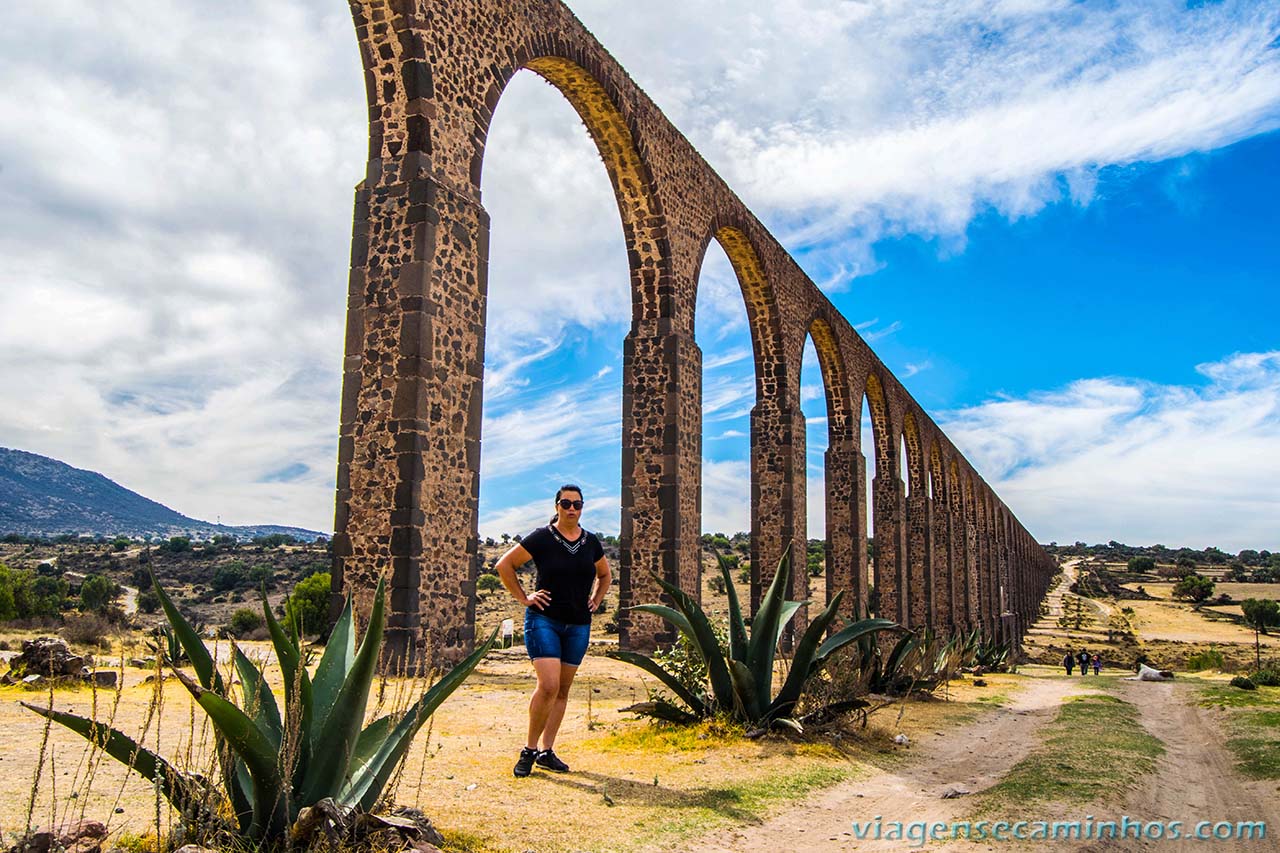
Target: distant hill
<point>40,496</point>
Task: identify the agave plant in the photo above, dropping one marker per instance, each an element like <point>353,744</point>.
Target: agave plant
<point>165,645</point>
<point>885,674</point>
<point>275,764</point>
<point>740,678</point>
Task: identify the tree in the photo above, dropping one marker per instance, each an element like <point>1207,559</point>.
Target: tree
<point>228,576</point>
<point>1142,564</point>
<point>1193,587</point>
<point>120,543</point>
<point>262,575</point>
<point>308,604</point>
<point>245,621</point>
<point>176,544</point>
<point>8,610</point>
<point>1260,614</point>
<point>148,601</point>
<point>97,592</point>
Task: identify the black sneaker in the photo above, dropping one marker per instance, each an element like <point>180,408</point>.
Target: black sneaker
<point>525,765</point>
<point>549,760</point>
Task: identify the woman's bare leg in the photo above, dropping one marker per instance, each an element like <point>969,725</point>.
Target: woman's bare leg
<point>543,703</point>
<point>552,726</point>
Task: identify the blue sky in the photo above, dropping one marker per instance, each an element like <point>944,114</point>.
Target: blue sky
<point>1053,220</point>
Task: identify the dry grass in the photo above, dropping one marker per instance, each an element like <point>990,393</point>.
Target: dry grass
<point>633,782</point>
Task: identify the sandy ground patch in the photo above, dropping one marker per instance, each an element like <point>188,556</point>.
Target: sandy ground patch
<point>970,758</point>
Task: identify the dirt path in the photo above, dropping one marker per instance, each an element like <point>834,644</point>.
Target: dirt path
<point>970,758</point>
<point>1196,779</point>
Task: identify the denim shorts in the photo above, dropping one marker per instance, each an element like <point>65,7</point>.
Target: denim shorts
<point>550,638</point>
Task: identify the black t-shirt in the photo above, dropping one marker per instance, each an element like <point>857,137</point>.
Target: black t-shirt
<point>566,570</point>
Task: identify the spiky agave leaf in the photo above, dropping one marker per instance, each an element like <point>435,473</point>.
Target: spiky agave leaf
<point>737,626</point>
<point>339,656</point>
<point>651,666</point>
<point>862,631</point>
<point>258,698</point>
<point>189,638</point>
<point>675,617</point>
<point>367,781</point>
<point>661,710</point>
<point>766,627</point>
<point>704,639</point>
<point>255,749</point>
<point>297,694</point>
<point>190,795</point>
<point>802,660</point>
<point>335,739</point>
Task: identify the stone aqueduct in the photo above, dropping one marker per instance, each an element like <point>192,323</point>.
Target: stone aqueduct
<point>950,554</point>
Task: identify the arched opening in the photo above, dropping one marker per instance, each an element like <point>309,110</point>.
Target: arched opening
<point>814,408</point>
<point>772,523</point>
<point>559,306</point>
<point>723,334</point>
<point>834,472</point>
<point>880,489</point>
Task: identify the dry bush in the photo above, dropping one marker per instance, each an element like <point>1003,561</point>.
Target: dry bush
<point>88,629</point>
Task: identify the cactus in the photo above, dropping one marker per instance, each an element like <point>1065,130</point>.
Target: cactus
<point>741,681</point>
<point>276,764</point>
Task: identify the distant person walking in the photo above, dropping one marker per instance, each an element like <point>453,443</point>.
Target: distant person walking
<point>1069,661</point>
<point>1083,660</point>
<point>1097,664</point>
<point>573,576</point>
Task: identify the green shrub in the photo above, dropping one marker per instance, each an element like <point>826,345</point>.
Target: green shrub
<point>1267,678</point>
<point>1142,564</point>
<point>1211,659</point>
<point>97,592</point>
<point>1193,587</point>
<point>262,575</point>
<point>308,604</point>
<point>32,596</point>
<point>1243,683</point>
<point>488,583</point>
<point>229,576</point>
<point>148,601</point>
<point>244,622</point>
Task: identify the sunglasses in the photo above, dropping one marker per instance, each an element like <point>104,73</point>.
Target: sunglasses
<point>565,503</point>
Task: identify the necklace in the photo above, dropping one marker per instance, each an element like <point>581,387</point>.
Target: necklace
<point>571,547</point>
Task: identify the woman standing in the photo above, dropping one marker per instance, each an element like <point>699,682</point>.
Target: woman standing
<point>573,576</point>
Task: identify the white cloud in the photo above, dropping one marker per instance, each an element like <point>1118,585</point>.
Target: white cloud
<point>726,497</point>
<point>175,201</point>
<point>1184,465</point>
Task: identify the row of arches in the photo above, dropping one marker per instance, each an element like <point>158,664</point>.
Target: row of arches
<point>947,553</point>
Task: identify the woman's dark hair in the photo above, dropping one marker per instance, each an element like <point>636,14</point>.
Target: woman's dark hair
<point>567,487</point>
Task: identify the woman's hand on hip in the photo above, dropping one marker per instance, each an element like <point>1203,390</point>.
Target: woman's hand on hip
<point>539,599</point>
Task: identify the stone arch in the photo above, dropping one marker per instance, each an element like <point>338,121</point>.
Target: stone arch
<point>887,505</point>
<point>844,472</point>
<point>777,424</point>
<point>873,390</point>
<point>919,571</point>
<point>763,316</point>
<point>941,545</point>
<point>616,137</point>
<point>409,444</point>
<point>972,556</point>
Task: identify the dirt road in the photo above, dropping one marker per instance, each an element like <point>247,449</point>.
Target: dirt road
<point>967,759</point>
<point>1194,781</point>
